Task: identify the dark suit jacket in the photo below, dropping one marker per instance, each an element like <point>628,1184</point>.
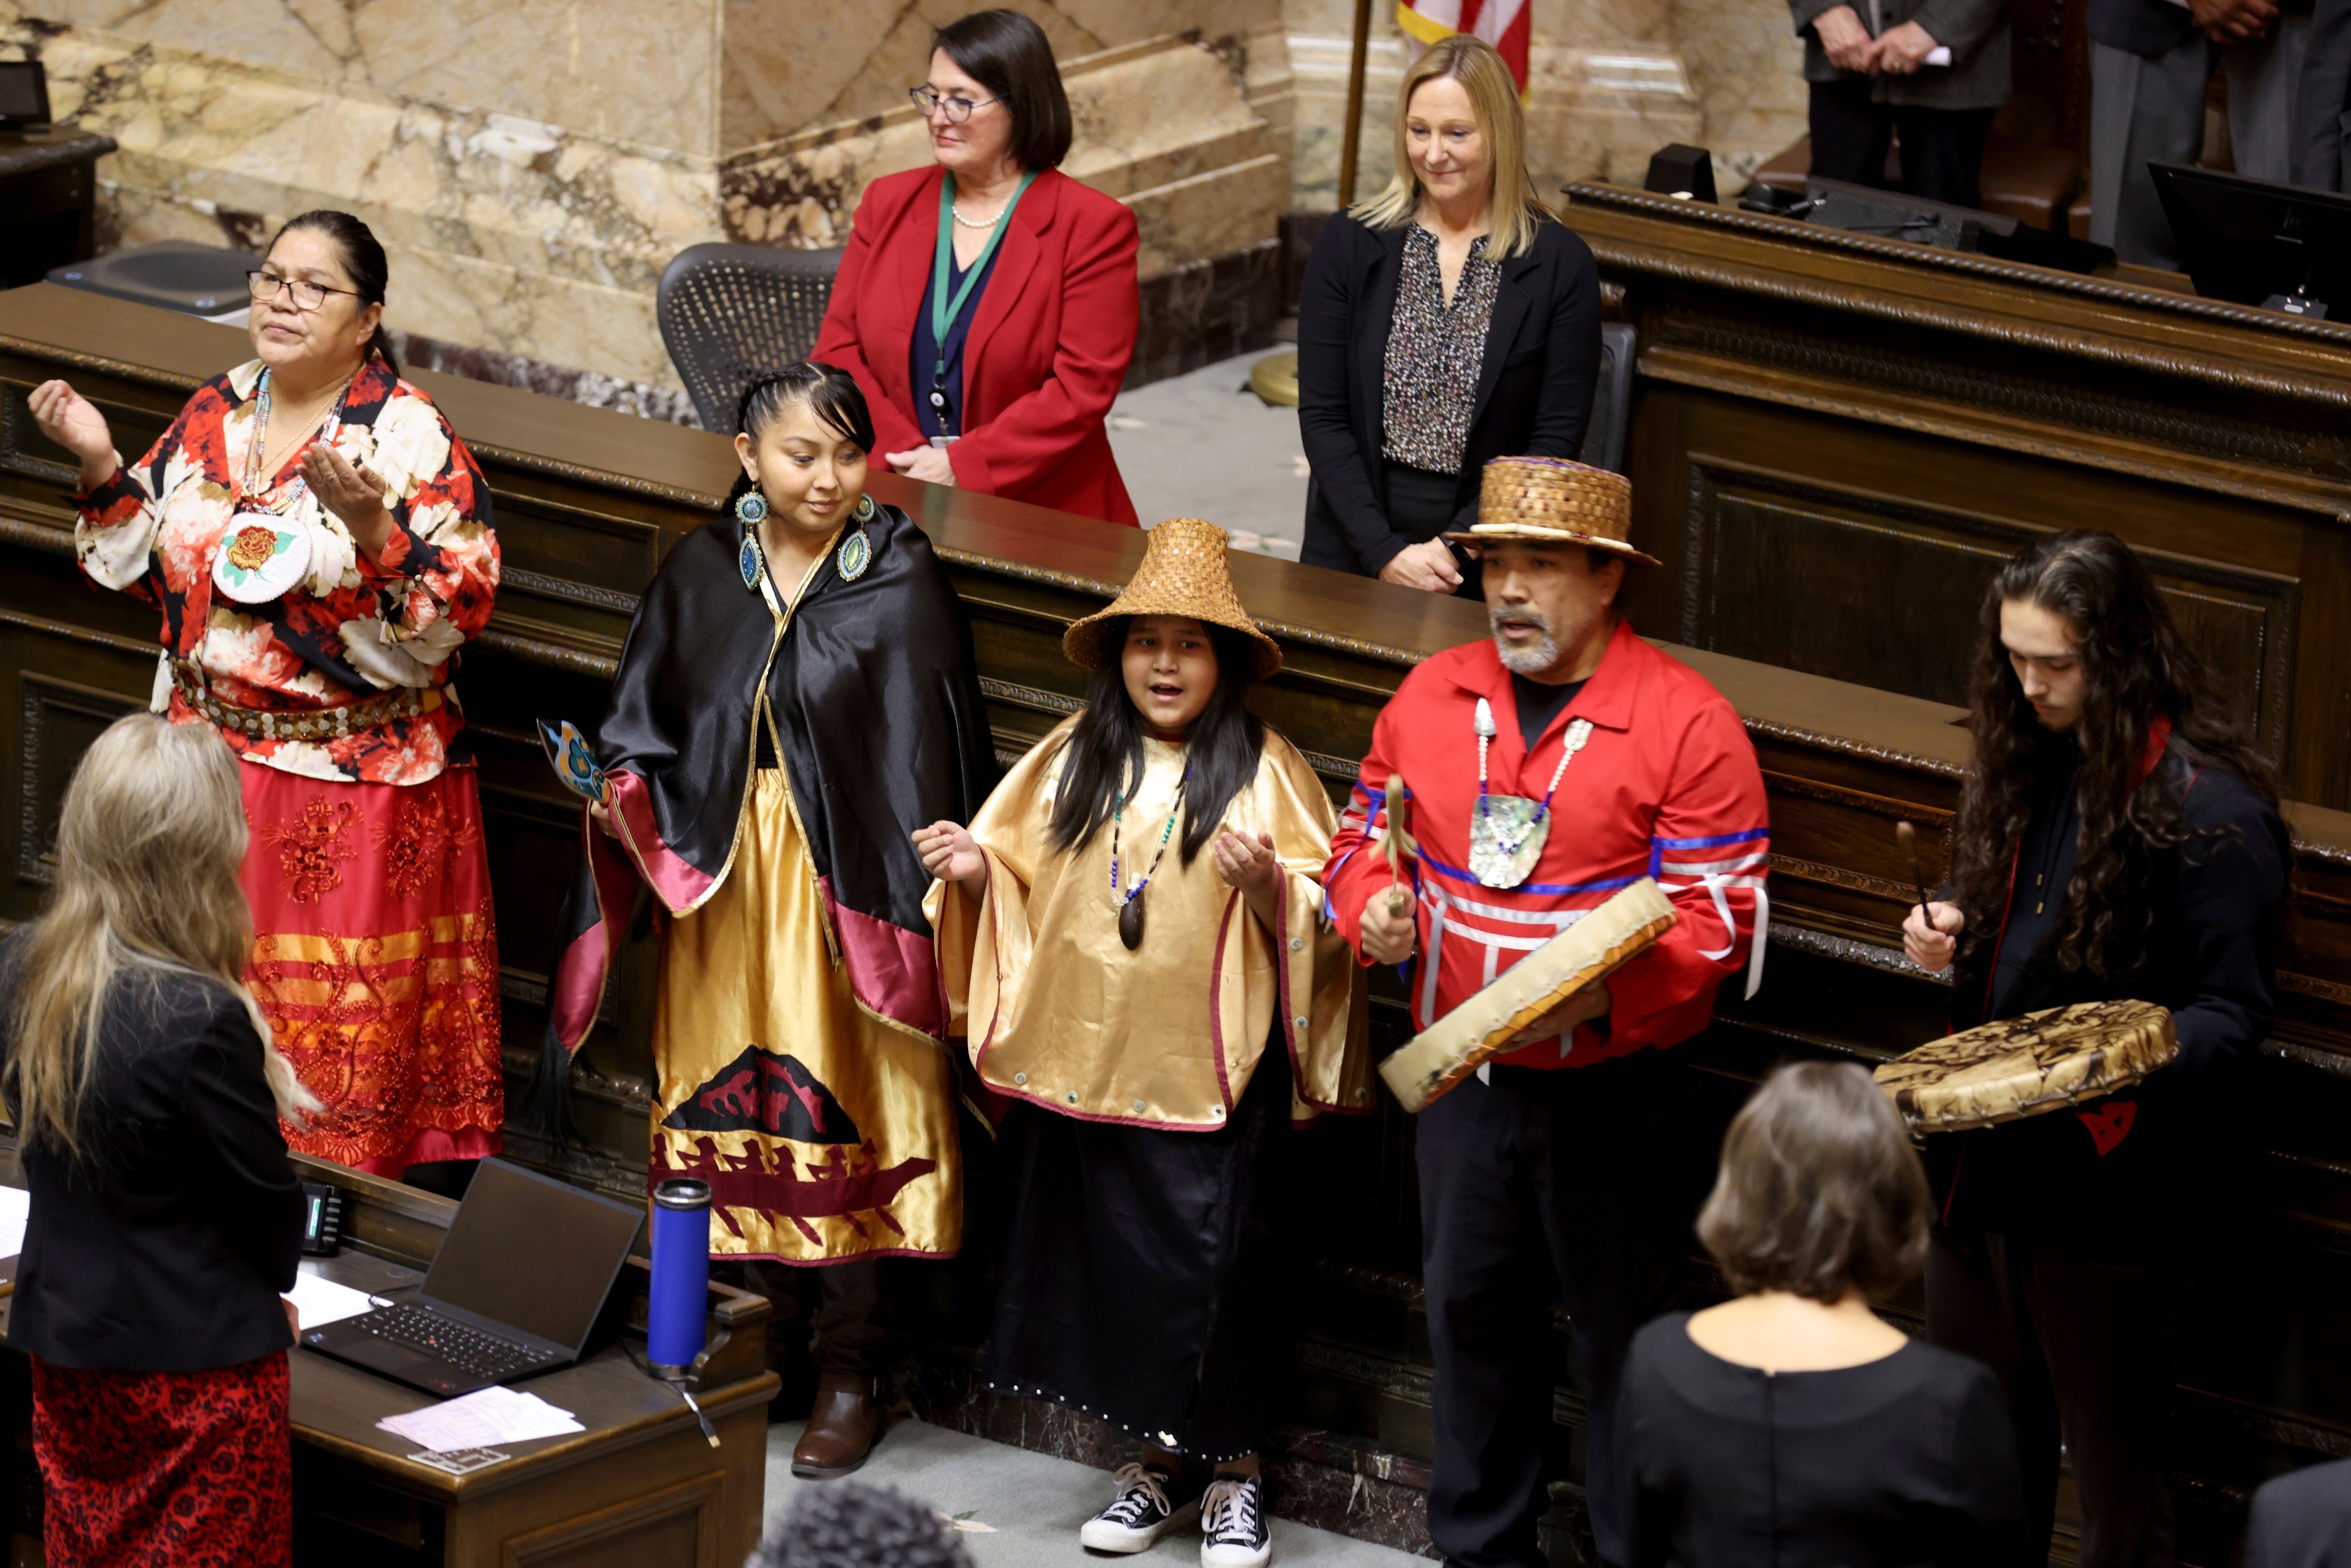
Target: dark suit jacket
<point>2321,101</point>
<point>164,1249</point>
<point>2147,28</point>
<point>1975,31</point>
<point>1534,385</point>
<point>1050,336</point>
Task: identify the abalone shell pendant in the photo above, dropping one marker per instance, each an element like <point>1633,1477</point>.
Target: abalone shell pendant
<point>1506,834</point>
<point>1130,920</point>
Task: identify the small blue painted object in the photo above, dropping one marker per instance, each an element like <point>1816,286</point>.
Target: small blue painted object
<point>677,1314</point>
<point>568,753</point>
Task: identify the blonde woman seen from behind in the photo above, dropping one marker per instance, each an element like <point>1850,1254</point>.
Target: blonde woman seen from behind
<point>166,1218</point>
<point>1447,321</point>
<point>1792,1424</point>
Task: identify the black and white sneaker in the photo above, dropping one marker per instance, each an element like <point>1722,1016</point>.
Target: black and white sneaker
<point>1145,1509</point>
<point>1233,1519</point>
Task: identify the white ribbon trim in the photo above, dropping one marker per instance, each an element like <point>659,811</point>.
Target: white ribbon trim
<point>1714,883</point>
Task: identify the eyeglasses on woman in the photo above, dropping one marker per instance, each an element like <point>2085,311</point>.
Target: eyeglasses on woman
<point>958,109</point>
<point>307,295</point>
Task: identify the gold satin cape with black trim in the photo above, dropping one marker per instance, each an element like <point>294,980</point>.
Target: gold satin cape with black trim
<point>1057,1012</point>
<point>857,1156</point>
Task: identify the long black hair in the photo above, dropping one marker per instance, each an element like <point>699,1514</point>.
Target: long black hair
<point>828,391</point>
<point>363,259</point>
<point>1103,759</point>
<point>2135,668</point>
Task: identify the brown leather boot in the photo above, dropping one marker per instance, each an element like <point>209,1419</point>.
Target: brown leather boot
<point>840,1429</point>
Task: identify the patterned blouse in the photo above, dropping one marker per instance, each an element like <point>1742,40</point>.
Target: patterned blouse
<point>352,629</point>
<point>1435,353</point>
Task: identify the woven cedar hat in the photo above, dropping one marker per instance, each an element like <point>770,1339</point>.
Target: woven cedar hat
<point>1183,573</point>
<point>1551,498</point>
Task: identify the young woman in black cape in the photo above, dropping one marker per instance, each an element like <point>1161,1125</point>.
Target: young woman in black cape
<point>796,696</point>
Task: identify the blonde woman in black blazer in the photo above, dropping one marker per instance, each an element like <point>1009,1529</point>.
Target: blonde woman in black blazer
<point>1401,400</point>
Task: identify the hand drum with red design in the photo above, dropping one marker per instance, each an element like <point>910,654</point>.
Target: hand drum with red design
<point>2027,1066</point>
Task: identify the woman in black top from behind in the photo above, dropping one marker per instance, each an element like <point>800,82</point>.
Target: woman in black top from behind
<point>166,1219</point>
<point>1791,1426</point>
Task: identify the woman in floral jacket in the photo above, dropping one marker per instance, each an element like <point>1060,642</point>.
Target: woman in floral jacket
<point>318,542</point>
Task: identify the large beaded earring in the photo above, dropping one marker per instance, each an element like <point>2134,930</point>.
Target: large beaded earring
<point>864,510</point>
<point>750,510</point>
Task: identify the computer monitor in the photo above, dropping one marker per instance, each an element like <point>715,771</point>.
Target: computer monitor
<point>23,94</point>
<point>2258,243</point>
<point>532,1253</point>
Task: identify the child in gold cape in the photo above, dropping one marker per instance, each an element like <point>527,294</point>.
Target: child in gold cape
<point>1132,939</point>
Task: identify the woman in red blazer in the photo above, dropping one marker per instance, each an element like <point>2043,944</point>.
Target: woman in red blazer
<point>1036,290</point>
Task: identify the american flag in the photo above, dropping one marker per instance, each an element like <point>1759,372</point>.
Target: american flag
<point>1505,24</point>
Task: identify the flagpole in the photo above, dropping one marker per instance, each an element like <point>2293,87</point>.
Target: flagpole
<point>1275,377</point>
<point>1349,146</point>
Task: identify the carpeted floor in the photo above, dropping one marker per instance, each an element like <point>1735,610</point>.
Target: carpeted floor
<point>1201,446</point>
<point>1020,1509</point>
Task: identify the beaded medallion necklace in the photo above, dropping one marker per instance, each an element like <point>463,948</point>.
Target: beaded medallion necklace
<point>1508,835</point>
<point>1129,900</point>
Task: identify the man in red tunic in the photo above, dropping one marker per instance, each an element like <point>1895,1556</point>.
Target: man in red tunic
<point>1553,1164</point>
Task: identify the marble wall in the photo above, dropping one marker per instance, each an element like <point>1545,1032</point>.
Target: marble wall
<point>1611,82</point>
<point>532,164</point>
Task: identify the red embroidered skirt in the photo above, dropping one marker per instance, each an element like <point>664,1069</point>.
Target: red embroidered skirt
<point>376,959</point>
<point>165,1469</point>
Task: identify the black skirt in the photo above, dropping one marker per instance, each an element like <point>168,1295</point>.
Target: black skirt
<point>1421,506</point>
<point>1138,1271</point>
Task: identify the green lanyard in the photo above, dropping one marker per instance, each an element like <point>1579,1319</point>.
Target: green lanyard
<point>943,310</point>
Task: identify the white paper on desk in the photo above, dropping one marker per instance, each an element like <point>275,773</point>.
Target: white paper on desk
<point>322,1302</point>
<point>15,1209</point>
<point>481,1420</point>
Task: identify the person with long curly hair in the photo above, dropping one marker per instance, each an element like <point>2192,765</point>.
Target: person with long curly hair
<point>2118,836</point>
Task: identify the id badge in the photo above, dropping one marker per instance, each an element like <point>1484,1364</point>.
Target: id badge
<point>259,556</point>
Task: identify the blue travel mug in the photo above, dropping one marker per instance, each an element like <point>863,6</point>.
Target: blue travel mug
<point>678,1311</point>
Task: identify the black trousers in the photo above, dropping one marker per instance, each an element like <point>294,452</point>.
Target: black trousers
<point>1534,1185</point>
<point>2082,1351</point>
<point>1942,148</point>
<point>1420,504</point>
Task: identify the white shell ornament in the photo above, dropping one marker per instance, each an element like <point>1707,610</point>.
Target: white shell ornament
<point>259,556</point>
<point>856,555</point>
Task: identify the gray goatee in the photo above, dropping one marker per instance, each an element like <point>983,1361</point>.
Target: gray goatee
<point>1531,661</point>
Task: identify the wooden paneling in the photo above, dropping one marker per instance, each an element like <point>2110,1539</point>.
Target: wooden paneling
<point>1835,438</point>
<point>1752,534</point>
<point>1840,527</point>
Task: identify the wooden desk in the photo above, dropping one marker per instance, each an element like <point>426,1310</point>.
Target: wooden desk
<point>588,501</point>
<point>639,1487</point>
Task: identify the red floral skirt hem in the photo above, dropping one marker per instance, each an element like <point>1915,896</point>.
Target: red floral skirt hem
<point>165,1469</point>
<point>433,1145</point>
<point>375,959</point>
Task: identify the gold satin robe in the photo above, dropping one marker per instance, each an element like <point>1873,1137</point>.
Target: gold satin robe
<point>1057,1011</point>
<point>754,1011</point>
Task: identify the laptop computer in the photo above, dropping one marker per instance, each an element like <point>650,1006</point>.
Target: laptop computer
<point>514,1290</point>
